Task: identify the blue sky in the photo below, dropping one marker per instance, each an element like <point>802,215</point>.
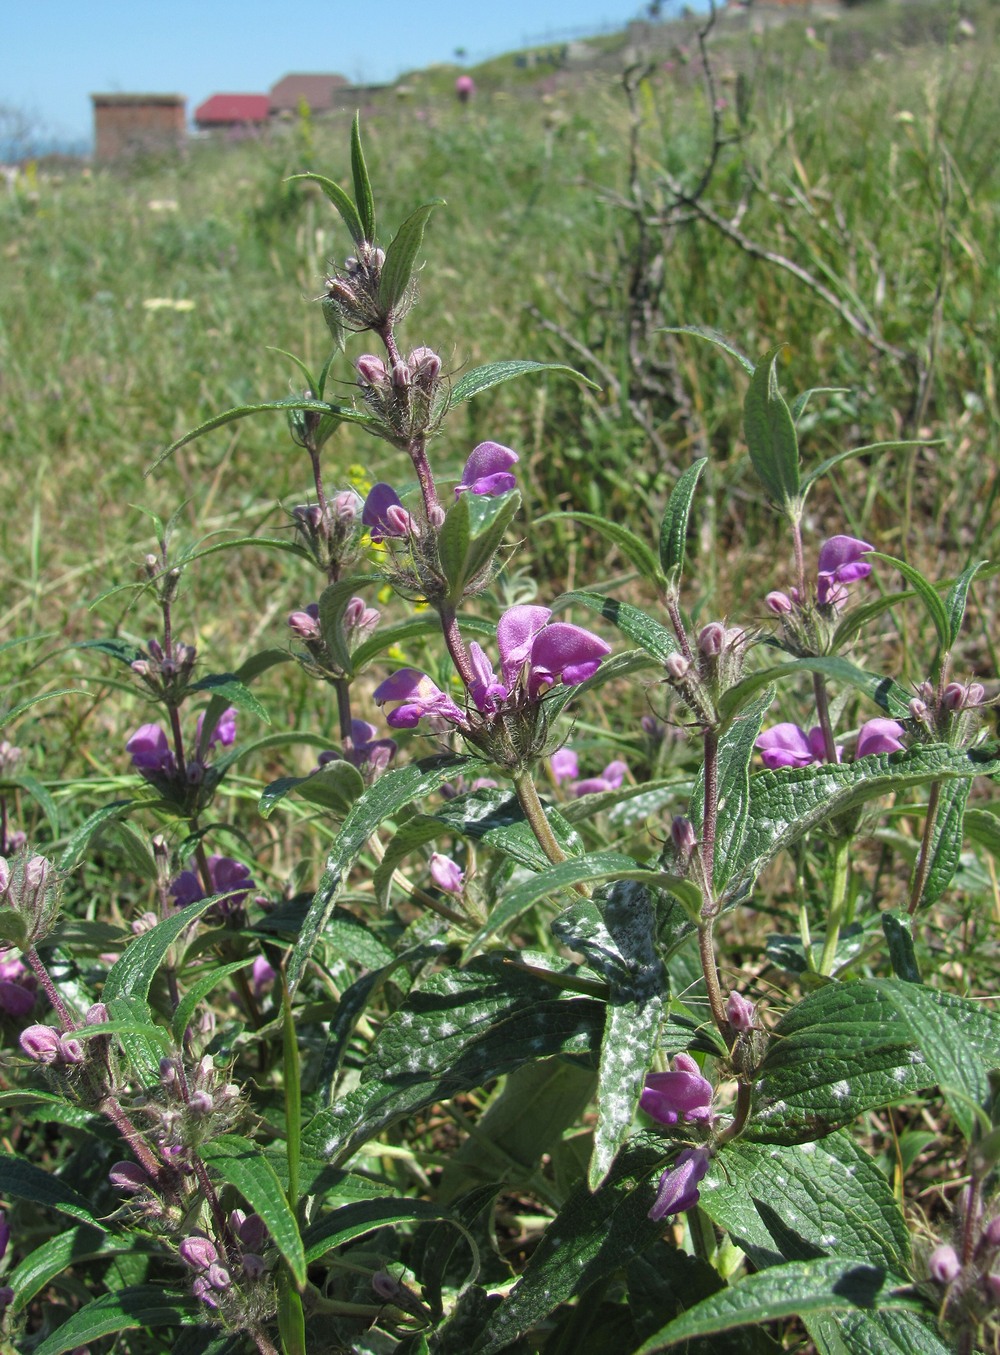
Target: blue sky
<point>56,53</point>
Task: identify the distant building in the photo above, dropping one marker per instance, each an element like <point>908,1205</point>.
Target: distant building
<point>322,93</point>
<point>137,124</point>
<point>233,112</point>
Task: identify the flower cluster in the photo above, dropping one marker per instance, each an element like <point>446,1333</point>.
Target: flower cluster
<point>363,750</point>
<point>152,756</point>
<point>228,877</point>
<point>566,768</point>
<point>788,745</point>
<point>213,1273</point>
<point>840,563</point>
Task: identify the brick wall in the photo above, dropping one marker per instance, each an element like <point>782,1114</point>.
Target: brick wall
<point>136,124</point>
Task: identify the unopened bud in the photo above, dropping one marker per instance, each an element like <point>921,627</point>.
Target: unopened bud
<point>740,1012</point>
<point>253,1265</point>
<point>677,666</point>
<point>918,710</point>
<point>436,515</point>
<point>953,696</point>
<point>71,1051</point>
<point>198,1252</point>
<point>303,625</point>
<point>252,1233</point>
<point>168,1072</point>
<point>683,836</point>
<point>97,1014</point>
<point>943,1264</point>
<point>129,1177</point>
<point>991,1233</point>
<point>346,505</point>
<point>218,1277</point>
<point>401,375</point>
<point>778,603</point>
<point>712,639</point>
<point>975,694</point>
<point>425,365</point>
<point>371,370</point>
<point>41,1043</point>
<point>201,1103</point>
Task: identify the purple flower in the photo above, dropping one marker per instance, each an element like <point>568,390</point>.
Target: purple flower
<point>41,1043</point>
<point>878,736</point>
<point>682,1094</point>
<point>678,1188</point>
<point>198,1252</point>
<point>789,746</point>
<point>943,1265</point>
<point>227,877</point>
<point>224,732</point>
<point>129,1177</point>
<point>487,470</point>
<point>419,697</point>
<point>740,1012</point>
<point>150,750</point>
<point>384,514</point>
<point>840,563</point>
<point>447,874</point>
<point>17,985</point>
<point>550,652</point>
<point>610,779</point>
<point>262,976</point>
<point>565,765</point>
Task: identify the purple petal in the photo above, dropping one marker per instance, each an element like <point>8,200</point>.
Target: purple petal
<point>186,888</point>
<point>682,1094</point>
<point>593,785</point>
<point>878,736</point>
<point>446,874</point>
<point>678,1189</point>
<point>487,470</point>
<point>614,774</point>
<point>224,732</point>
<point>376,517</point>
<point>785,746</point>
<point>150,750</point>
<point>516,632</point>
<point>840,551</point>
<point>569,653</point>
<point>485,690</point>
<point>420,697</point>
<point>565,765</point>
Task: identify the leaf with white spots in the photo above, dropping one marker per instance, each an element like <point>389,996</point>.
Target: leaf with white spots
<point>459,1029</point>
<point>790,1203</point>
<point>896,1332</point>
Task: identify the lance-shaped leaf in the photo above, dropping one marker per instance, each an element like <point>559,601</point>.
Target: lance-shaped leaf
<point>800,1289</point>
<point>820,1199</point>
<point>954,603</point>
<point>882,690</point>
<point>819,471</point>
<point>401,256</point>
<point>228,690</point>
<point>484,378</point>
<point>945,845</point>
<point>770,435</point>
<point>736,750</point>
<point>332,604</point>
<point>714,337</point>
<point>132,974</point>
<point>674,526</point>
<point>22,1180</point>
<point>244,1166</point>
<point>342,201</point>
<point>593,1235</point>
<point>74,1247</point>
<point>925,591</point>
<point>631,546</point>
<point>889,1332</point>
<point>471,536</point>
<point>457,1030</point>
<point>787,804</point>
<point>336,786</point>
<point>362,184</point>
<point>343,1225</point>
<point>134,1309</point>
<point>387,796</point>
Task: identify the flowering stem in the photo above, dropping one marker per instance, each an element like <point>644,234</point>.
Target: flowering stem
<point>838,896</point>
<point>919,882</point>
<point>456,645</point>
<point>417,450</point>
<point>68,1020</point>
<point>343,690</point>
<point>706,949</point>
<point>744,1101</point>
<point>677,621</point>
<point>823,715</point>
<point>527,796</point>
<point>800,559</point>
<point>710,906</point>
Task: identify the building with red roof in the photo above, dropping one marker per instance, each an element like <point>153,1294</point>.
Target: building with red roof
<point>224,112</point>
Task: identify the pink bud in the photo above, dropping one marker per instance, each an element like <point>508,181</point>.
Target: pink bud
<point>677,666</point>
<point>371,370</point>
<point>201,1103</point>
<point>991,1233</point>
<point>683,836</point>
<point>218,1276</point>
<point>198,1252</point>
<point>943,1264</point>
<point>740,1012</point>
<point>97,1014</point>
<point>712,639</point>
<point>71,1051</point>
<point>303,625</point>
<point>129,1177</point>
<point>253,1265</point>
<point>779,603</point>
<point>446,874</point>
<point>41,1043</point>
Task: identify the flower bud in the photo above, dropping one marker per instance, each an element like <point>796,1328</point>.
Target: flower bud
<point>198,1252</point>
<point>778,603</point>
<point>446,874</point>
<point>254,1266</point>
<point>975,694</point>
<point>740,1012</point>
<point>991,1233</point>
<point>97,1014</point>
<point>677,666</point>
<point>918,710</point>
<point>712,639</point>
<point>129,1177</point>
<point>371,370</point>
<point>201,1289</point>
<point>70,1051</point>
<point>943,1264</point>
<point>252,1232</point>
<point>201,1103</point>
<point>218,1277</point>
<point>402,377</point>
<point>953,696</point>
<point>40,1043</point>
<point>168,1072</point>
<point>303,625</point>
<point>683,836</point>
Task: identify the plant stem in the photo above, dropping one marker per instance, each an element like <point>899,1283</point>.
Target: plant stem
<point>677,621</point>
<point>838,897</point>
<point>919,882</point>
<point>710,905</point>
<point>456,645</point>
<point>534,812</point>
<point>343,690</point>
<point>800,559</point>
<point>823,715</point>
<point>66,1017</point>
<point>417,450</point>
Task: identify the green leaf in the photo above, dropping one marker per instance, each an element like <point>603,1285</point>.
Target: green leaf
<point>954,603</point>
<point>22,1180</point>
<point>457,1029</point>
<point>15,711</point>
<point>800,1289</point>
<point>983,828</point>
<point>898,931</point>
<point>342,412</point>
<point>133,1309</point>
<point>362,184</point>
<point>387,637</point>
<point>927,593</point>
<point>123,650</point>
<point>792,1203</point>
<point>392,792</point>
<point>471,535</point>
<point>819,471</point>
<point>656,640</point>
<point>401,256</point>
<point>635,1011</point>
<point>893,1332</point>
<point>770,435</point>
<point>336,786</point>
<point>787,804</point>
<point>848,1048</point>
<point>76,848</point>
<point>713,336</point>
<point>38,793</point>
<point>71,1248</point>
<point>292,1068</point>
<point>495,373</point>
<point>354,1220</point>
<point>947,835</point>
<point>332,604</point>
<point>341,200</point>
<point>631,546</point>
<point>802,399</point>
<point>143,1042</point>
<point>593,1235</point>
<point>882,690</point>
<point>132,974</point>
<point>227,688</point>
<point>244,1166</point>
<point>674,527</point>
<point>198,990</point>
